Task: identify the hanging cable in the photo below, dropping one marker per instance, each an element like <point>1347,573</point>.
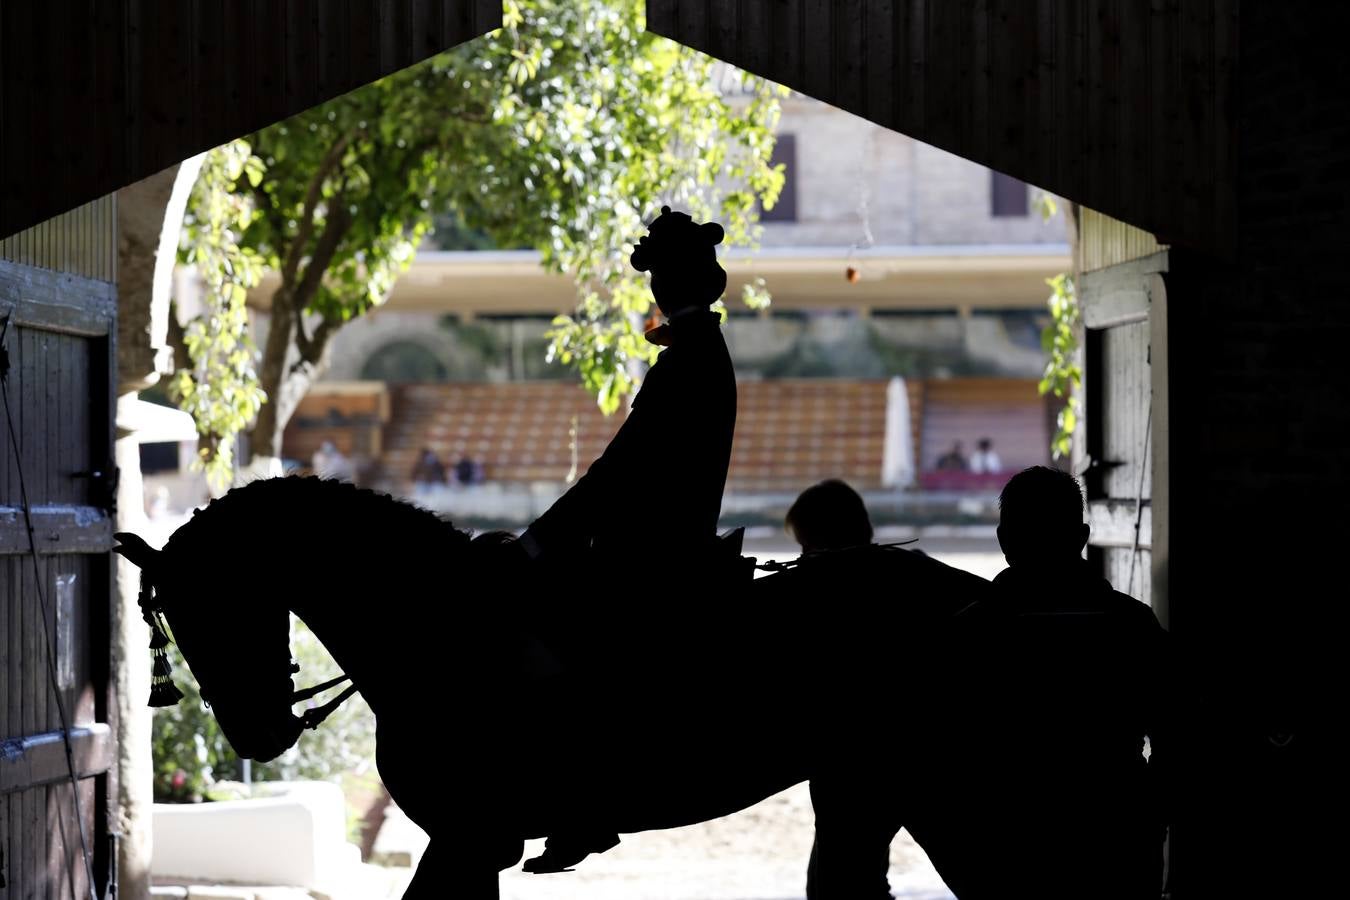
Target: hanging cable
<point>864,213</point>
<point>42,600</point>
<point>1139,496</point>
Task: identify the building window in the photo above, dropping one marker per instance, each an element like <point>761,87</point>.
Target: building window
<point>785,152</point>
<point>1008,195</point>
<point>403,362</point>
<point>159,456</point>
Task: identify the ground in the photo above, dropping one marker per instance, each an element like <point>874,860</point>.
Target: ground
<point>757,854</point>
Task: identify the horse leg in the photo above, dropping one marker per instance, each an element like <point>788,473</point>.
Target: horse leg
<point>463,868</point>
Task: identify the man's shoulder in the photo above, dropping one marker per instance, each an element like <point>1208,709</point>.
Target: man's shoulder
<point>1135,610</point>
<point>1115,601</point>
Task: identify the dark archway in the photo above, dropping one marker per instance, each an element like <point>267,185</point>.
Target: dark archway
<point>404,362</point>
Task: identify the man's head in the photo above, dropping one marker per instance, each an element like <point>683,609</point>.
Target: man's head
<point>1041,518</point>
<point>829,516</point>
<point>682,257</point>
<point>985,445</point>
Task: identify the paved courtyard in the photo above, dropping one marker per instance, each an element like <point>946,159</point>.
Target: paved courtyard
<point>757,854</point>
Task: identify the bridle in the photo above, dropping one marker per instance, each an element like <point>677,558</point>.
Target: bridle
<point>163,691</point>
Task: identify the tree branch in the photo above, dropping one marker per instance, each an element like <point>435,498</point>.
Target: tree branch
<point>330,162</point>
<point>339,220</point>
<point>268,210</point>
<point>312,350</point>
<point>479,117</point>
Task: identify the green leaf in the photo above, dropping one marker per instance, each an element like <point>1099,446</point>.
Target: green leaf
<point>549,132</point>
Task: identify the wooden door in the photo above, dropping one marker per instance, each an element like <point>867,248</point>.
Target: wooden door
<point>58,317</point>
<point>1124,315</point>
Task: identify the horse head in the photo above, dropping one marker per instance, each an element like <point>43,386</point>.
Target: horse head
<point>239,656</point>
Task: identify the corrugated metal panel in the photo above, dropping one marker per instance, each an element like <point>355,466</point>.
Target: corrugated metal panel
<point>1104,241</point>
<point>80,242</point>
<point>1124,107</point>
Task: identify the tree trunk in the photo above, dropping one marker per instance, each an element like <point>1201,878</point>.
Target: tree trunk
<point>373,821</point>
<point>286,377</point>
<point>265,436</point>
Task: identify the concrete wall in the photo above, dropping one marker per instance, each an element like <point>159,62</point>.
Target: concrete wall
<point>831,345</point>
<point>915,193</point>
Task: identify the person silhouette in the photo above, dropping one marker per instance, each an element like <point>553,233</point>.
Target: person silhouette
<point>829,516</point>
<point>428,470</point>
<point>1048,788</point>
<point>677,436</point>
<point>985,459</point>
<point>954,460</point>
<point>680,426</point>
<point>850,852</point>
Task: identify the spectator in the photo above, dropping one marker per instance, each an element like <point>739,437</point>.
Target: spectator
<point>954,460</point>
<point>468,472</point>
<point>429,469</point>
<point>328,462</point>
<point>984,460</point>
<point>159,503</point>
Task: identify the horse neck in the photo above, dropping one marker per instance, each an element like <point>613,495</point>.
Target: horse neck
<point>359,638</point>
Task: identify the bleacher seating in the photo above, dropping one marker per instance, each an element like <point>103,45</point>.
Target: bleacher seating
<point>793,433</point>
<point>789,433</point>
<point>518,431</point>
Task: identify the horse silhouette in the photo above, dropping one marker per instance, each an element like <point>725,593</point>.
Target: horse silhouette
<point>513,701</point>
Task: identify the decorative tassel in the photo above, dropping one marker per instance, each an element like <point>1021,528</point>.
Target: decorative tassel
<point>161,668</point>
<point>163,692</point>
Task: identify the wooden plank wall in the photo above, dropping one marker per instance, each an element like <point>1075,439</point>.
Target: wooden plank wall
<point>1126,391</point>
<point>78,242</point>
<point>58,309</point>
<point>1123,107</point>
<point>1122,421</point>
<point>1104,241</point>
<point>97,94</point>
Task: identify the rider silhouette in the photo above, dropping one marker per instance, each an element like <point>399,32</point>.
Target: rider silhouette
<point>679,430</point>
<point>677,437</point>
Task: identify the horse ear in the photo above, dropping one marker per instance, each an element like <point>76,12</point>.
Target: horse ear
<point>135,549</point>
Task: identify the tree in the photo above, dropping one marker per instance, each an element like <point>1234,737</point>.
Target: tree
<point>564,130</point>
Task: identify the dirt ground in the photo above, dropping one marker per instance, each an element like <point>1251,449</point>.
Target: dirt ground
<point>757,854</point>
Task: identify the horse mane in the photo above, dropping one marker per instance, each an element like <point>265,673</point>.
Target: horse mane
<point>280,503</point>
